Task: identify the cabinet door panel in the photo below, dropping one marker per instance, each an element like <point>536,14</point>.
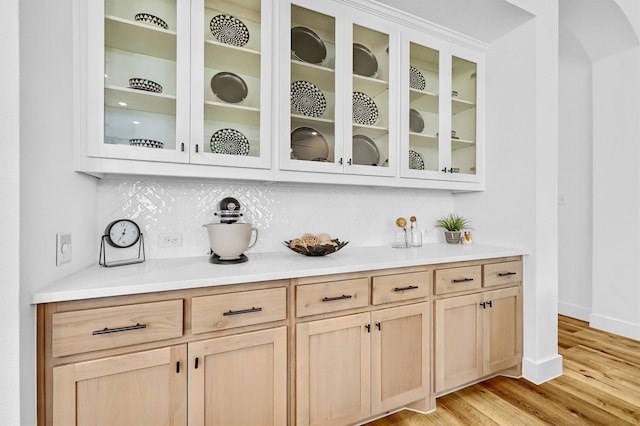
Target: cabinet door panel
<point>333,371</point>
<point>458,341</point>
<point>400,356</point>
<point>239,380</point>
<point>503,330</point>
<point>128,390</point>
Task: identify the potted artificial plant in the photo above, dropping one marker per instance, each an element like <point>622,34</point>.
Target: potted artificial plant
<point>453,226</point>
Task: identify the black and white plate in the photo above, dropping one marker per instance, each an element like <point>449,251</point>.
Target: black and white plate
<point>416,161</point>
<point>146,143</point>
<point>307,45</point>
<point>416,123</point>
<point>416,79</point>
<point>365,110</point>
<point>307,99</point>
<point>144,84</point>
<point>308,144</point>
<point>229,141</point>
<point>364,61</point>
<point>228,29</point>
<point>151,19</point>
<point>365,151</point>
<point>229,87</point>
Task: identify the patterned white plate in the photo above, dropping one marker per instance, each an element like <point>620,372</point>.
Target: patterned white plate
<point>365,110</point>
<point>228,29</point>
<point>229,141</point>
<point>144,84</point>
<point>307,99</point>
<point>415,160</point>
<point>416,79</point>
<point>151,19</point>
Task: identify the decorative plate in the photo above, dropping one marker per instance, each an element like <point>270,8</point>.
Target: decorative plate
<point>151,19</point>
<point>307,45</point>
<point>416,79</point>
<point>365,111</point>
<point>308,144</point>
<point>365,151</point>
<point>307,99</point>
<point>364,61</point>
<point>415,161</point>
<point>144,84</point>
<point>416,123</point>
<point>229,87</point>
<point>146,143</point>
<point>228,29</point>
<point>318,250</point>
<point>229,141</point>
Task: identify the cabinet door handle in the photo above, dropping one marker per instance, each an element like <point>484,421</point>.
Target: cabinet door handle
<point>340,161</point>
<point>332,299</point>
<point>243,311</point>
<point>196,148</point>
<point>196,364</point>
<point>490,303</point>
<point>379,326</point>
<point>349,161</point>
<point>178,367</point>
<point>504,274</point>
<point>484,305</point>
<point>368,327</point>
<point>409,287</point>
<point>462,280</point>
<point>182,147</point>
<point>119,329</point>
<point>444,170</point>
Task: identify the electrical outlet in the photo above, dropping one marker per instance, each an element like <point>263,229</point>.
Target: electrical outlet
<point>63,248</point>
<point>169,239</point>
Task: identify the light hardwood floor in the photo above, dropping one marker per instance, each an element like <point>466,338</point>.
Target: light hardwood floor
<point>600,386</point>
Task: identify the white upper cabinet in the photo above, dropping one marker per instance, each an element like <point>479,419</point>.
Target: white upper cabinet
<point>337,89</point>
<point>441,129</point>
<point>230,78</point>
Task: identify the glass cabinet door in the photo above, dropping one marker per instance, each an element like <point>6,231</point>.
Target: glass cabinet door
<point>229,68</point>
<point>145,85</point>
<point>313,142</point>
<point>423,156</point>
<point>463,116</point>
<point>371,151</point>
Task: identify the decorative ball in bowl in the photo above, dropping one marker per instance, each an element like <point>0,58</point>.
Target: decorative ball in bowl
<point>315,245</point>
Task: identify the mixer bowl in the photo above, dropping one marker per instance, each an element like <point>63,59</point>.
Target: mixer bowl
<point>230,240</point>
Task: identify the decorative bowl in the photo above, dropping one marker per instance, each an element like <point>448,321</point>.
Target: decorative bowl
<point>317,250</point>
<point>151,19</point>
<point>144,84</point>
<point>146,143</point>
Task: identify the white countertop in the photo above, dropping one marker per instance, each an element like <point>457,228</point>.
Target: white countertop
<point>193,272</point>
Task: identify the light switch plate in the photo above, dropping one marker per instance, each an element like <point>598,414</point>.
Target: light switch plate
<point>63,248</point>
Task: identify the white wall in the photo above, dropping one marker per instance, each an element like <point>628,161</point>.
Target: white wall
<point>53,198</point>
<point>519,206</point>
<point>9,215</point>
<point>616,195</point>
<point>575,179</point>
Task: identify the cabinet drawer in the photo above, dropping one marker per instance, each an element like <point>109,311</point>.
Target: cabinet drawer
<point>458,279</point>
<point>229,310</point>
<point>399,287</point>
<point>332,296</point>
<point>104,328</point>
<point>502,273</point>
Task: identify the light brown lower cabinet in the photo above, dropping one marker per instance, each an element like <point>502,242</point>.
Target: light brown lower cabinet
<point>239,379</point>
<point>352,367</point>
<point>477,335</point>
<point>142,388</point>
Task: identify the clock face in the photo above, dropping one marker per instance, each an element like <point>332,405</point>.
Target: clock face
<point>122,233</point>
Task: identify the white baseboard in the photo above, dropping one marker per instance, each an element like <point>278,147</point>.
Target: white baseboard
<point>541,371</point>
<point>574,311</point>
<point>616,326</point>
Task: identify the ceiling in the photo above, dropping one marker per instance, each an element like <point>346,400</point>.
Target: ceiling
<point>484,20</point>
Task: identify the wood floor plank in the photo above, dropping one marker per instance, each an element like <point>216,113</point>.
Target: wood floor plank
<point>600,386</point>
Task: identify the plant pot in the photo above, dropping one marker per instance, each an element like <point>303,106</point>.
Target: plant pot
<point>452,237</point>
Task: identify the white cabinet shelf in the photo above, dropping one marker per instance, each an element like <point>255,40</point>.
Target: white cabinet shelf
<point>140,38</point>
<point>218,111</point>
<point>137,100</point>
<point>239,60</point>
<point>424,101</point>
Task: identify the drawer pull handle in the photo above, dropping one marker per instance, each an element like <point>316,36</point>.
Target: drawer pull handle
<point>119,329</point>
<point>463,280</point>
<point>331,299</point>
<point>505,274</point>
<point>244,311</point>
<point>409,287</point>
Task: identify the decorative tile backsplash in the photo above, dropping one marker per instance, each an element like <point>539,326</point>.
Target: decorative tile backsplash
<point>364,216</point>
